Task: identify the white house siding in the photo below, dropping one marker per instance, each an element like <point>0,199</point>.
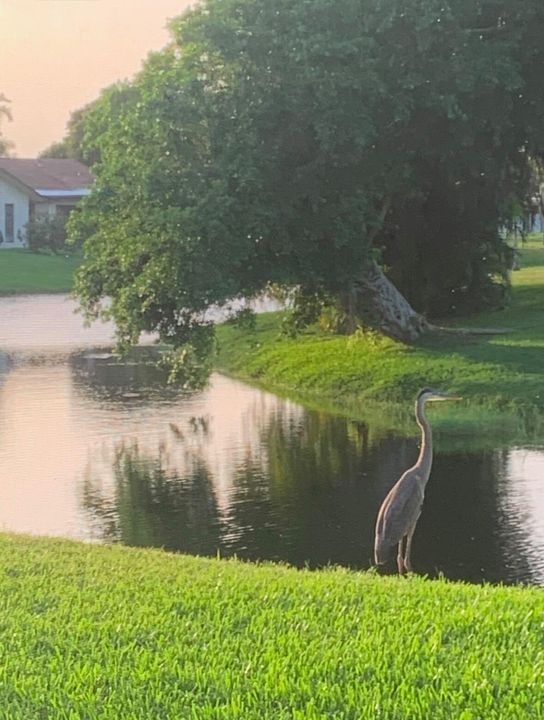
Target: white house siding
<point>11,194</point>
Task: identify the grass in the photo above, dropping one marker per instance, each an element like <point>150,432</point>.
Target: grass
<point>22,272</point>
<point>110,632</point>
<point>501,376</point>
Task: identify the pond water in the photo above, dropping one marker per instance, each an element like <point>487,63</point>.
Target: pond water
<point>94,449</point>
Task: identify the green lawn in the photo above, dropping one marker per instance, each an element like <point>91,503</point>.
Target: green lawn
<point>114,633</point>
<point>22,271</point>
<point>501,377</point>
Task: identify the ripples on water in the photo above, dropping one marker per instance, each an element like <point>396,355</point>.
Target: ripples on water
<point>99,450</point>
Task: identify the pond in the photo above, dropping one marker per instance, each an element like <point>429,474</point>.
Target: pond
<point>103,451</point>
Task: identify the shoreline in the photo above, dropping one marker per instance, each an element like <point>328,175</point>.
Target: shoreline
<point>375,379</point>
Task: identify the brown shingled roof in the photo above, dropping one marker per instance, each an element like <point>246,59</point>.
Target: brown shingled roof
<point>48,173</point>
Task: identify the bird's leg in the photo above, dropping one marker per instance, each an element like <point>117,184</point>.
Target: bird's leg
<point>406,561</point>
<point>400,560</point>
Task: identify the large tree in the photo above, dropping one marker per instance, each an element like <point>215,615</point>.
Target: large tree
<point>315,143</point>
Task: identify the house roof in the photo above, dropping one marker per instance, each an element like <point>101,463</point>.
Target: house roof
<point>49,177</point>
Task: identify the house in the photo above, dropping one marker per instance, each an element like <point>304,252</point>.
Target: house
<point>36,188</point>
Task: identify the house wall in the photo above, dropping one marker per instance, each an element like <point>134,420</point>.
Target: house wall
<point>44,209</point>
<point>11,194</point>
<point>50,209</point>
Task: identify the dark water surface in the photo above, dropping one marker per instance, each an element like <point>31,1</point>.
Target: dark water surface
<point>102,451</point>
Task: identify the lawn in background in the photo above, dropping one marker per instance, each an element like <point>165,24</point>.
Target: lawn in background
<point>22,271</point>
<point>501,377</point>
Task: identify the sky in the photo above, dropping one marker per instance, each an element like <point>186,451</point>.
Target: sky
<point>56,56</point>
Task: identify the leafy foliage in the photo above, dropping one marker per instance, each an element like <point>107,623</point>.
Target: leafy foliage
<point>289,141</point>
<point>58,149</point>
<point>46,232</point>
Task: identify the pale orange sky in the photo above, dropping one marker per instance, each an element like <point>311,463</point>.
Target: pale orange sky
<point>56,55</point>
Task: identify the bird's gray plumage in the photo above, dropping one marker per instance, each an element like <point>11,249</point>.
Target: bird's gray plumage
<point>399,512</point>
<point>402,506</point>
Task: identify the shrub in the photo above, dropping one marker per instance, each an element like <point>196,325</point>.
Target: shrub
<point>47,232</point>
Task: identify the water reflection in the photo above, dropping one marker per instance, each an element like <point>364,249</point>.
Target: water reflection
<point>106,451</point>
<point>98,373</point>
<point>45,323</point>
<point>304,488</point>
<point>150,507</point>
<point>275,502</point>
<point>520,499</point>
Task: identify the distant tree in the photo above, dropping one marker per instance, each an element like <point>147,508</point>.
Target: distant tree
<point>58,149</point>
<point>87,125</point>
<point>331,146</point>
<point>5,113</point>
<point>72,145</point>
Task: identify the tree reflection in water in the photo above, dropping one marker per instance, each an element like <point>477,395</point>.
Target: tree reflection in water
<point>151,507</point>
<point>240,472</point>
<point>305,490</point>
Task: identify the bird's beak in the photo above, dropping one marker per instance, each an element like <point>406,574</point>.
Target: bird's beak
<point>438,398</point>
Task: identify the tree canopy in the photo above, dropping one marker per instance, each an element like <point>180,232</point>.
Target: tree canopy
<point>313,144</point>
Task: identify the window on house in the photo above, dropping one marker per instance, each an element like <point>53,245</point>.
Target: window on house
<point>9,222</point>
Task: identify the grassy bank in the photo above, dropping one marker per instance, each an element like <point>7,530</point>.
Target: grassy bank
<point>24,272</point>
<point>501,376</point>
<point>100,632</point>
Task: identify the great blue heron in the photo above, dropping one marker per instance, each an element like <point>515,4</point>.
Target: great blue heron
<point>401,508</point>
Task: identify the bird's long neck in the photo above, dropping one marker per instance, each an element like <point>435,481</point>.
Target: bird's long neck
<point>425,458</point>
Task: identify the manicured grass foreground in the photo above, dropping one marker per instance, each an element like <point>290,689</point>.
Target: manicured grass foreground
<point>493,373</point>
<point>22,271</point>
<point>111,632</point>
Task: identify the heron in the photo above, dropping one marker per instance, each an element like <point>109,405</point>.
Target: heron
<point>400,511</point>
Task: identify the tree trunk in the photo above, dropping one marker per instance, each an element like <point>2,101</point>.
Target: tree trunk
<point>385,309</point>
